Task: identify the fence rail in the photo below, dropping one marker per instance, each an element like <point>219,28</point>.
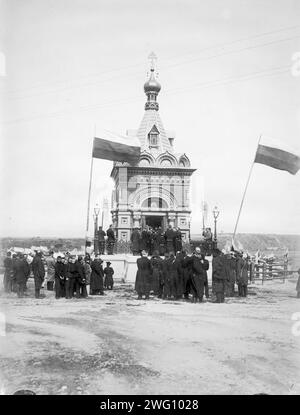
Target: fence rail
<point>270,271</point>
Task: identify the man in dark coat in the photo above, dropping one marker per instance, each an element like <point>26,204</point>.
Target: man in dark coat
<point>14,286</point>
<point>143,276</point>
<point>242,277</point>
<point>178,240</point>
<point>161,242</point>
<point>38,270</point>
<point>198,276</point>
<point>22,271</point>
<point>135,241</point>
<point>81,278</point>
<point>170,236</point>
<point>170,270</point>
<point>144,240</point>
<point>151,241</point>
<point>110,240</point>
<point>205,269</point>
<point>60,278</point>
<point>101,240</point>
<point>167,288</point>
<point>69,285</point>
<point>8,273</point>
<point>108,273</point>
<point>179,277</point>
<point>96,284</point>
<point>219,275</point>
<point>232,273</point>
<point>187,265</point>
<point>157,280</point>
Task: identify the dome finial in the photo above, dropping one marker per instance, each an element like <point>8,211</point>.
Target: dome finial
<point>152,86</point>
<point>153,58</point>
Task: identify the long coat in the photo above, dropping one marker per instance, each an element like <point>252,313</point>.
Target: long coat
<point>170,271</point>
<point>21,271</point>
<point>178,241</point>
<point>38,270</point>
<point>50,268</point>
<point>144,240</point>
<point>96,283</point>
<point>156,263</point>
<point>243,276</point>
<point>108,280</point>
<point>135,241</point>
<point>88,271</point>
<point>170,237</point>
<point>161,242</point>
<point>198,276</point>
<point>218,274</point>
<point>143,276</point>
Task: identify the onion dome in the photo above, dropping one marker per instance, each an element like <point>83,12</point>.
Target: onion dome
<point>152,85</point>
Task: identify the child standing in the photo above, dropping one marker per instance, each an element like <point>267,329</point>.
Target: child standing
<point>108,280</point>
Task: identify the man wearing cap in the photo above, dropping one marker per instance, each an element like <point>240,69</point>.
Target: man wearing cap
<point>101,240</point>
<point>60,278</point>
<point>108,280</point>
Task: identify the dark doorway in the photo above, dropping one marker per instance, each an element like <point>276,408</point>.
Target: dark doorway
<point>154,221</point>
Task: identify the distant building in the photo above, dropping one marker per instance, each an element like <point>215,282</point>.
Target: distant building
<point>154,192</point>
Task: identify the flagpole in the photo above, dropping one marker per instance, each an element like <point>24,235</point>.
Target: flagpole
<point>246,187</point>
<point>89,200</point>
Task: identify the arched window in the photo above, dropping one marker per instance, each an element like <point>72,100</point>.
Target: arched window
<point>153,137</point>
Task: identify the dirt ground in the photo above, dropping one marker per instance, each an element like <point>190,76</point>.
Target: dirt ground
<point>118,345</point>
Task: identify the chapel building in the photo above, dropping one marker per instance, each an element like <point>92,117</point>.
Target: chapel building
<point>155,191</point>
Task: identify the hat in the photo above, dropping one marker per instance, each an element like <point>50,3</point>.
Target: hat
<point>108,263</point>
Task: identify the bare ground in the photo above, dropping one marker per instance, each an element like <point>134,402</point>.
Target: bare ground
<point>118,345</point>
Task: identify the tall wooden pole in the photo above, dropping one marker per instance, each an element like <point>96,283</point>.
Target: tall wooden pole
<point>89,201</point>
<point>246,187</point>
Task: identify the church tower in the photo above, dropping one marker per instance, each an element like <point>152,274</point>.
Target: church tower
<point>154,192</point>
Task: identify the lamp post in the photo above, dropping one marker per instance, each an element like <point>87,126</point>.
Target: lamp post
<point>216,213</point>
<point>95,216</point>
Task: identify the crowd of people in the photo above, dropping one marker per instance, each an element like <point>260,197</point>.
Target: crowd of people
<point>152,240</point>
<point>185,276</point>
<point>68,275</point>
<point>175,277</point>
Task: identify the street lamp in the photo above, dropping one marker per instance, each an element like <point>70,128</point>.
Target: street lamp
<point>216,213</point>
<point>95,216</point>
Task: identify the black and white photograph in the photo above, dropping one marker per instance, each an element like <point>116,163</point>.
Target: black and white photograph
<point>150,200</point>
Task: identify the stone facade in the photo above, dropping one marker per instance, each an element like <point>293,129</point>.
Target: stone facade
<point>154,192</point>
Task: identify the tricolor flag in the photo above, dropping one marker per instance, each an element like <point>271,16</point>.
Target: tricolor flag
<point>115,147</point>
<point>277,155</point>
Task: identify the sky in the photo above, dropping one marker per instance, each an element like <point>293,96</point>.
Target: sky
<point>228,70</point>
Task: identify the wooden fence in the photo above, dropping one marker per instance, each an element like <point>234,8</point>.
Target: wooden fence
<point>265,271</point>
